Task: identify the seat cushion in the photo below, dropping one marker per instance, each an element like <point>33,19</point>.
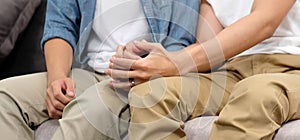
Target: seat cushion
<point>46,130</point>
<point>196,129</point>
<point>289,131</point>
<point>199,129</point>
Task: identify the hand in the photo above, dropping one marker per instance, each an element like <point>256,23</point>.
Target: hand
<point>59,94</point>
<point>158,63</point>
<point>130,51</point>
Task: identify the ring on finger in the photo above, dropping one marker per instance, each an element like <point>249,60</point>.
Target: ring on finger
<point>132,82</point>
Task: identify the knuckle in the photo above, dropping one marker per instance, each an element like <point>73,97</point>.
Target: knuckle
<point>53,84</point>
<point>55,95</point>
<point>53,114</point>
<point>56,104</point>
<point>50,112</point>
<point>68,100</point>
<point>140,63</point>
<point>144,65</point>
<point>144,75</point>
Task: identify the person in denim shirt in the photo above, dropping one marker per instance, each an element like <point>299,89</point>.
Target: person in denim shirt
<point>27,101</point>
<point>175,28</point>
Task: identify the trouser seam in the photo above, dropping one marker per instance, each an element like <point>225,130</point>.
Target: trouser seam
<point>276,106</point>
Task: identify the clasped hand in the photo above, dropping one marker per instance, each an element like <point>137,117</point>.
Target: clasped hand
<point>141,62</point>
<point>59,93</point>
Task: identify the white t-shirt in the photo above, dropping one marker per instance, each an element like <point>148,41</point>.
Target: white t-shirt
<point>286,39</point>
<point>116,22</point>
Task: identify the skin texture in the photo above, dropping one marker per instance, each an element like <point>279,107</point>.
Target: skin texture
<point>211,50</point>
<point>60,91</point>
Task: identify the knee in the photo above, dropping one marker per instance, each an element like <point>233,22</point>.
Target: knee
<point>107,100</point>
<point>259,89</point>
<point>24,83</point>
<point>155,92</point>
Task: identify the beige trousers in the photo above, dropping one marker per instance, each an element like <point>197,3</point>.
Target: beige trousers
<point>22,109</point>
<point>253,95</point>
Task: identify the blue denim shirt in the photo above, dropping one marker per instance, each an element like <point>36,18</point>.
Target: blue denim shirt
<point>172,23</point>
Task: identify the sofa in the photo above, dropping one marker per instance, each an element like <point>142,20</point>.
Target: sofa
<point>24,56</point>
<point>21,29</point>
<point>196,129</point>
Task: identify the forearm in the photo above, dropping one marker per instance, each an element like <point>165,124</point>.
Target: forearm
<point>259,25</point>
<point>226,44</point>
<point>231,41</point>
<point>59,56</point>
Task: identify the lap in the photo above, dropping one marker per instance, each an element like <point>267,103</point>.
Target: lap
<point>200,93</point>
<point>276,85</point>
<point>100,109</point>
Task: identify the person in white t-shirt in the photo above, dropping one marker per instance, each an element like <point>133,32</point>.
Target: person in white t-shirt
<point>245,69</point>
<point>88,32</point>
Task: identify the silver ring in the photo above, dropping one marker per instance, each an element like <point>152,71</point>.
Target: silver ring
<point>132,83</point>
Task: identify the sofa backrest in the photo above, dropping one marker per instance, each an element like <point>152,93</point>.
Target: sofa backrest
<point>27,57</point>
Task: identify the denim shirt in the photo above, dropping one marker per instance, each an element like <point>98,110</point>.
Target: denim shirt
<point>172,23</point>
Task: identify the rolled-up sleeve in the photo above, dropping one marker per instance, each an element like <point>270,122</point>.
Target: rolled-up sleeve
<point>62,21</point>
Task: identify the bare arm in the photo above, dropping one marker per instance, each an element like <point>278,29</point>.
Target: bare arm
<point>215,44</point>
<point>208,24</point>
<point>259,25</point>
<point>60,91</point>
<point>58,54</point>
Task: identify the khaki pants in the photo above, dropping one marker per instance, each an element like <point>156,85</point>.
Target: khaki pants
<point>253,95</point>
<point>22,109</point>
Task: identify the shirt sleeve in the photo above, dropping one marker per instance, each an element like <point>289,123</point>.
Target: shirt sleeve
<point>62,21</point>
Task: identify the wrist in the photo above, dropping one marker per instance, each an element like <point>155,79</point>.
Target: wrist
<point>184,62</point>
<point>192,59</point>
<point>55,76</point>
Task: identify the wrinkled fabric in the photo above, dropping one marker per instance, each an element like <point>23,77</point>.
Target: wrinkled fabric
<point>172,23</point>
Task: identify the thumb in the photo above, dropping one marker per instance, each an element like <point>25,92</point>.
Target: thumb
<point>144,45</point>
<point>70,88</point>
<point>150,47</point>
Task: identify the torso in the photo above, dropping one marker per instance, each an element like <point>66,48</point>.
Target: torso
<point>286,38</point>
<point>116,22</point>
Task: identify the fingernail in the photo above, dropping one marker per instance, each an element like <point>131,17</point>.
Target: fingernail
<point>110,83</point>
<point>106,71</point>
<point>70,94</point>
<point>112,59</point>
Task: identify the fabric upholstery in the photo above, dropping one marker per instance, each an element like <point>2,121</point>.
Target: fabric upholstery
<point>289,131</point>
<point>196,129</point>
<point>26,56</point>
<point>46,130</point>
<point>15,16</point>
<point>199,128</point>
